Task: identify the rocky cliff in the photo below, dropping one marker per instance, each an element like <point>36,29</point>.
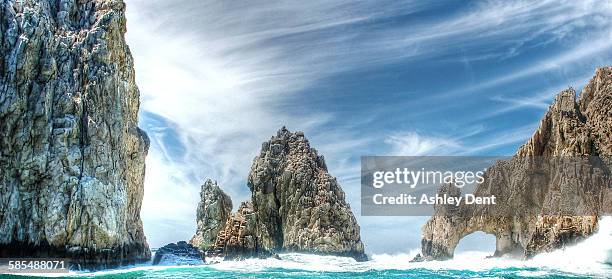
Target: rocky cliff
<point>553,190</point>
<point>213,211</point>
<point>72,155</point>
<point>296,206</point>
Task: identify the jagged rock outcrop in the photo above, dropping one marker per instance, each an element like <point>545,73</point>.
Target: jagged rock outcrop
<point>213,211</point>
<point>71,153</point>
<point>553,190</point>
<point>180,253</point>
<point>238,239</point>
<point>296,206</point>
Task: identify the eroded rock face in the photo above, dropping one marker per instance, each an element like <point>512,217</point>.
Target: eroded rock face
<point>71,153</point>
<point>238,239</point>
<point>298,205</point>
<point>213,211</point>
<point>541,212</point>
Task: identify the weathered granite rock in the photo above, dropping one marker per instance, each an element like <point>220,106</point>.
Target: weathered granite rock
<point>238,239</point>
<point>213,211</point>
<point>296,206</point>
<point>71,153</point>
<point>554,188</point>
<point>181,253</point>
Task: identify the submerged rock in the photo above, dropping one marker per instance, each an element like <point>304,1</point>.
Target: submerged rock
<point>213,211</point>
<point>71,153</point>
<point>296,206</point>
<point>554,189</point>
<point>181,253</point>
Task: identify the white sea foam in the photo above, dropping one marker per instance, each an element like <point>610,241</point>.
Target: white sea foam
<point>591,257</point>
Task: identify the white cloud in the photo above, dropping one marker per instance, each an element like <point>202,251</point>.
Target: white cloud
<point>413,144</point>
<point>225,75</point>
<point>540,100</point>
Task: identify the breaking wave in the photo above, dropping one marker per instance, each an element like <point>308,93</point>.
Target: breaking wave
<point>590,258</point>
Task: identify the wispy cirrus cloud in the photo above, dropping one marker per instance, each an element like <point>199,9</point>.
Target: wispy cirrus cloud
<point>413,144</point>
<point>359,77</point>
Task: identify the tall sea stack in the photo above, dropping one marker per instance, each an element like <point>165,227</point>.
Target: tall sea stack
<point>72,155</point>
<point>295,206</point>
<point>553,190</point>
<point>213,211</point>
<point>298,205</point>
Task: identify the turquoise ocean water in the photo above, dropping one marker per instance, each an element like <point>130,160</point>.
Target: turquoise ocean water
<point>470,265</point>
<point>591,258</point>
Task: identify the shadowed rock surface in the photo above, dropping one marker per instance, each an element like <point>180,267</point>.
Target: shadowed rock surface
<point>180,253</point>
<point>296,206</point>
<point>554,189</point>
<point>71,153</point>
<point>213,211</point>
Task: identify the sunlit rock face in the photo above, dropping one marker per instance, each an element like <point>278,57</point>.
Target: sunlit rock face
<point>295,206</point>
<point>72,155</point>
<point>541,213</point>
<point>298,205</point>
<point>213,211</point>
<point>239,238</point>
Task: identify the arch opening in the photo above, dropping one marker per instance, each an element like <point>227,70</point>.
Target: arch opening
<point>476,244</point>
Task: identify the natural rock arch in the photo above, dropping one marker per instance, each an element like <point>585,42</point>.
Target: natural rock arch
<point>554,189</point>
<point>443,234</point>
<point>477,241</point>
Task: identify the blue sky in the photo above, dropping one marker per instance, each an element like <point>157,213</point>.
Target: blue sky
<point>217,78</point>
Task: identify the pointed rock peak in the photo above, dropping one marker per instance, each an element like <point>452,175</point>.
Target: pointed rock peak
<point>566,100</point>
<point>600,86</point>
<point>290,184</point>
<point>284,134</point>
<point>596,103</point>
<point>214,209</point>
<point>282,131</point>
<point>287,143</point>
<point>211,190</point>
<point>210,184</point>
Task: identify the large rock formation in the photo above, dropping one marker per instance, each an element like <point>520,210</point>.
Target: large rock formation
<point>71,153</point>
<point>213,211</point>
<point>553,190</point>
<point>296,206</point>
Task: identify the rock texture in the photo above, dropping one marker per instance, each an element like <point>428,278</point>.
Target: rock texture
<point>554,188</point>
<point>71,153</point>
<point>213,211</point>
<point>180,253</point>
<point>238,239</point>
<point>296,206</point>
